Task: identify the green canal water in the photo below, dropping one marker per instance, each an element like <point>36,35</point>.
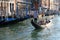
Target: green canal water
<point>25,31</point>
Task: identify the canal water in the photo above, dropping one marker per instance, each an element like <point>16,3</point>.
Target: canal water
<point>25,31</point>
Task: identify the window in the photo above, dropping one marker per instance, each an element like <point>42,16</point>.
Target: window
<point>11,7</point>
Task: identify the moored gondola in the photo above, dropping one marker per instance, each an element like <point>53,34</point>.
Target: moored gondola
<point>8,21</point>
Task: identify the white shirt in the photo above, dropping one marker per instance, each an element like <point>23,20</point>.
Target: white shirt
<point>35,14</point>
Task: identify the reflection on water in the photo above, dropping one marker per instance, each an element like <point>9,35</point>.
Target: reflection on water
<point>25,31</point>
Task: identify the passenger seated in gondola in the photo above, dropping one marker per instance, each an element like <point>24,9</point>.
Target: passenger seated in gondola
<point>43,22</point>
<point>47,21</point>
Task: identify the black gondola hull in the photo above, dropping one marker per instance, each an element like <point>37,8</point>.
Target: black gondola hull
<point>2,23</point>
<point>36,25</point>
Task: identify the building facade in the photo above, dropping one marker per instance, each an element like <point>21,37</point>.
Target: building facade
<point>51,4</point>
<point>9,6</point>
<point>5,7</point>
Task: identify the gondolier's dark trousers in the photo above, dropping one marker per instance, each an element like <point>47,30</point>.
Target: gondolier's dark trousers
<point>35,20</point>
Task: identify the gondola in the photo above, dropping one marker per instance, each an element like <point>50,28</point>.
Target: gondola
<point>37,26</point>
<point>12,20</point>
<point>9,21</point>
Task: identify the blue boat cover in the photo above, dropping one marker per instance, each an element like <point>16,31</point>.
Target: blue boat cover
<point>10,19</point>
<point>27,16</point>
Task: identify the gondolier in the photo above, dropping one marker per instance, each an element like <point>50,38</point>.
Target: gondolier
<point>36,10</point>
